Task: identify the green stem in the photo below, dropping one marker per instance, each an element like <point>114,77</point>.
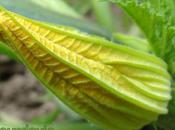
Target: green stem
<point>133,42</point>
<point>4,49</point>
<point>60,126</point>
<point>103,14</point>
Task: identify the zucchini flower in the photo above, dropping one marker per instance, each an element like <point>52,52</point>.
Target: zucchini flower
<point>113,86</point>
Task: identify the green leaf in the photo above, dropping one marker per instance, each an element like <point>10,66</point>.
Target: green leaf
<point>154,17</point>
<point>58,6</point>
<point>39,13</point>
<point>113,86</point>
<point>170,54</point>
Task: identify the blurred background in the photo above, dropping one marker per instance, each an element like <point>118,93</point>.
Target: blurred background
<point>22,98</point>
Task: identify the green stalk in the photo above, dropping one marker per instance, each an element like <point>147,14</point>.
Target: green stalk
<point>62,126</point>
<point>4,49</point>
<point>133,42</point>
<point>103,14</point>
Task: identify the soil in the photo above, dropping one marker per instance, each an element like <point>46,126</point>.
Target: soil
<point>20,93</point>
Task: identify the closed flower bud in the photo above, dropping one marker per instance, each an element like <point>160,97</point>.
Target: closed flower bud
<point>116,87</point>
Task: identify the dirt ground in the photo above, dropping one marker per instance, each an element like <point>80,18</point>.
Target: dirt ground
<point>20,93</point>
